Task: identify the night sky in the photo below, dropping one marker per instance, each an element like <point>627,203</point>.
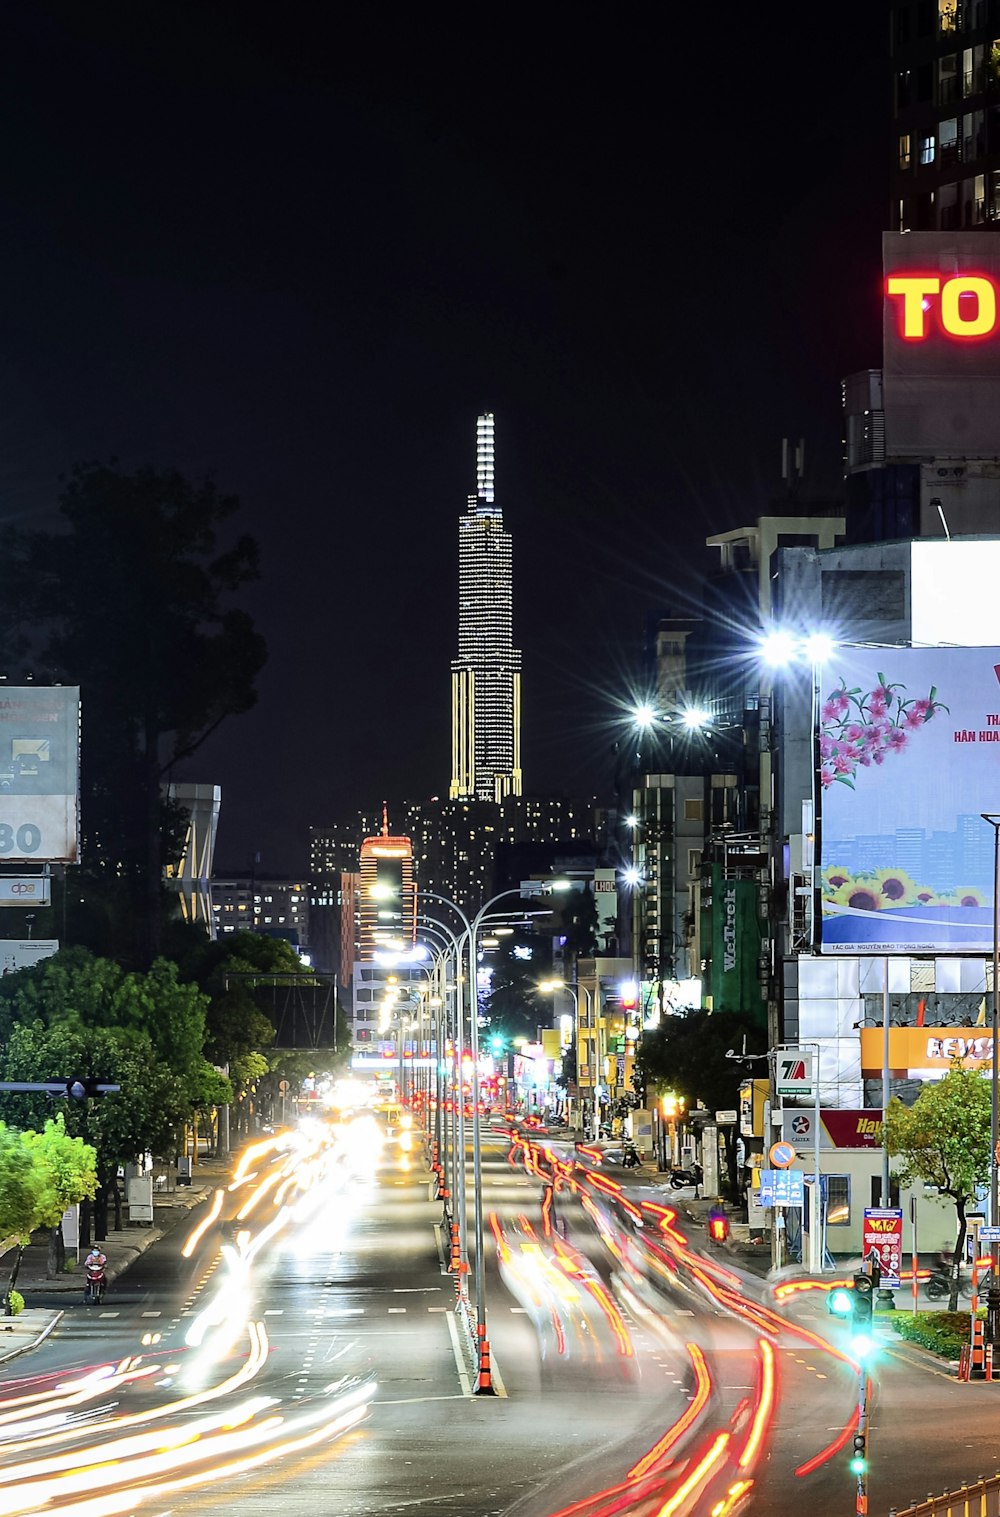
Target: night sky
<point>301,249</point>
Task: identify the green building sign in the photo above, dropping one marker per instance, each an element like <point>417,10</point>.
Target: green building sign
<point>736,936</point>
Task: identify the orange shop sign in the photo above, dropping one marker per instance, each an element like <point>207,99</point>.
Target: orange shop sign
<point>912,1049</point>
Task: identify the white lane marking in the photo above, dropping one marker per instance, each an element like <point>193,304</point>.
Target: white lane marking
<point>110,1314</point>
<point>396,1309</point>
<point>521,1309</point>
<point>456,1349</point>
<point>275,1311</point>
<point>415,1290</point>
<point>152,1314</point>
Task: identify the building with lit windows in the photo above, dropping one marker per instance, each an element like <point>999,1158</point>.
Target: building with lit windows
<point>388,897</point>
<point>276,908</point>
<point>946,147</point>
<point>486,675</point>
<point>457,843</point>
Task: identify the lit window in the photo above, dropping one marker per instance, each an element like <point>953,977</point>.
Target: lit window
<point>905,150</point>
<point>927,146</point>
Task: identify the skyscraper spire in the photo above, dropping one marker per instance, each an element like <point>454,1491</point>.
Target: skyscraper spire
<point>486,675</point>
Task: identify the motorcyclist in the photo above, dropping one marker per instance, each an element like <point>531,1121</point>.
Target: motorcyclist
<point>96,1260</point>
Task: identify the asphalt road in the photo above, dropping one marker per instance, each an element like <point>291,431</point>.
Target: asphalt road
<point>606,1350</point>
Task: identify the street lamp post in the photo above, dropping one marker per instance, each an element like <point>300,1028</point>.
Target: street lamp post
<point>458,1114</point>
<point>484,1384</point>
<point>549,987</point>
<point>993,1294</point>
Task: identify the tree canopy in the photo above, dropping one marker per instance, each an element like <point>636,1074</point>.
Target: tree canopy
<point>943,1140</point>
<point>686,1054</point>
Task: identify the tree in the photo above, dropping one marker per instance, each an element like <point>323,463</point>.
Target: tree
<point>24,1194</point>
<point>74,989</point>
<point>132,600</point>
<point>687,1054</point>
<point>943,1140</point>
<point>70,1166</point>
<point>41,1173</point>
<point>143,1116</point>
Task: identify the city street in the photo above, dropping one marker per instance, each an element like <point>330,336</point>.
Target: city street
<point>318,1358</point>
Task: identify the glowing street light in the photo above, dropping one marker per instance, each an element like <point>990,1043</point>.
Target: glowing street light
<point>695,718</point>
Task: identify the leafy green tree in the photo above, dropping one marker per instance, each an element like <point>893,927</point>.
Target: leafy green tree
<point>143,1116</point>
<point>70,1166</point>
<point>687,1054</point>
<point>25,1194</point>
<point>74,989</point>
<point>133,603</point>
<point>943,1140</point>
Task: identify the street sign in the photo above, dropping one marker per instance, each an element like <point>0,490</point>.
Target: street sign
<point>782,1187</point>
<point>726,1118</point>
<point>989,1235</point>
<point>794,1072</point>
<point>882,1237</point>
<point>781,1155</point>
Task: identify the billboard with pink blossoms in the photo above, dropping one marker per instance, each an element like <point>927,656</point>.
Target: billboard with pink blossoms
<point>908,758</point>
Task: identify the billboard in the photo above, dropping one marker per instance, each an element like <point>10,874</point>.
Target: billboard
<point>941,343</point>
<point>736,946</point>
<point>22,953</point>
<point>908,758</point>
<point>39,772</point>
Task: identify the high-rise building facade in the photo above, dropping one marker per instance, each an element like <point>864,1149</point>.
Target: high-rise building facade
<point>486,675</point>
<point>946,148</point>
<point>388,898</point>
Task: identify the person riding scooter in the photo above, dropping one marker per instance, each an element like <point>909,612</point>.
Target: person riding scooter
<point>95,1267</point>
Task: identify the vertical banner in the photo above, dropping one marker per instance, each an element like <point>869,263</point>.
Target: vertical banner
<point>39,772</point>
<point>882,1239</point>
<point>736,946</point>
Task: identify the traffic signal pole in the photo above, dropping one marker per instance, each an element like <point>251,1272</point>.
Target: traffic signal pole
<point>861,1446</point>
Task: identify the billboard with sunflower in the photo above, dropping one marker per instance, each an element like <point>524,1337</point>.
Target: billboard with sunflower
<point>908,757</point>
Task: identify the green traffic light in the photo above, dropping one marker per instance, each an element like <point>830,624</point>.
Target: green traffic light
<point>840,1303</point>
<point>862,1346</point>
<point>859,1464</point>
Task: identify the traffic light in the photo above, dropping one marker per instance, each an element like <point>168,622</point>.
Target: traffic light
<point>85,1090</point>
<point>859,1458</point>
<point>840,1302</point>
<point>862,1340</point>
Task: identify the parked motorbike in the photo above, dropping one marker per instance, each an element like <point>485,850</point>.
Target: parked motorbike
<point>680,1177</point>
<point>95,1285</point>
<point>631,1157</point>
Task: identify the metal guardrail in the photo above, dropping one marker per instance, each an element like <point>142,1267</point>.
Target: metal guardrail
<point>981,1499</point>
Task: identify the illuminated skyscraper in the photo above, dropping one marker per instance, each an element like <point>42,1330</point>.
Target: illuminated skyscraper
<point>388,896</point>
<point>486,675</point>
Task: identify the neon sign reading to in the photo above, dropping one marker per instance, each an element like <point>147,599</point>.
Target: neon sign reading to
<point>962,306</point>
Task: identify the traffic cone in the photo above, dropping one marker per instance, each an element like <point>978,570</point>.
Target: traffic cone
<point>484,1383</point>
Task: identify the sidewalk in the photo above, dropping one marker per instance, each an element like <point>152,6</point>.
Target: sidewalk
<point>122,1247</point>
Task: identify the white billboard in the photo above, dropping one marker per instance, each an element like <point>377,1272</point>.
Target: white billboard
<point>40,772</point>
<point>22,953</point>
